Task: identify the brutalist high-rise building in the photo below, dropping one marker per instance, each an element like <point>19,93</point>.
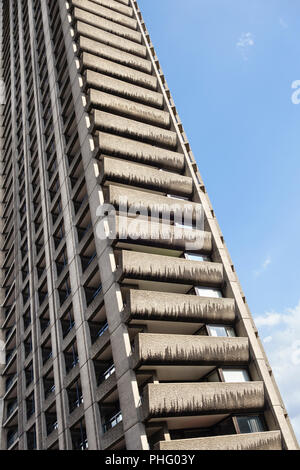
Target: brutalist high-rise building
<point>142,338</point>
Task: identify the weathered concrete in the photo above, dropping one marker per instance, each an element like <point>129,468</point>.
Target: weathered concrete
<point>111,85</point>
<point>141,201</point>
<point>107,25</point>
<point>113,169</point>
<point>106,13</point>
<point>111,53</point>
<point>257,441</point>
<point>164,349</point>
<point>148,305</point>
<point>192,399</point>
<point>128,74</point>
<point>110,39</point>
<point>129,128</point>
<point>140,112</point>
<point>137,265</point>
<point>138,151</point>
<point>161,235</point>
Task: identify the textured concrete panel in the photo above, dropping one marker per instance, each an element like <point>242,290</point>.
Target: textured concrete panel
<point>107,25</point>
<point>179,307</point>
<point>162,235</point>
<point>140,112</point>
<point>172,399</point>
<point>139,152</point>
<point>129,128</point>
<point>257,441</point>
<point>110,53</point>
<point>110,39</point>
<point>141,201</point>
<point>122,171</point>
<point>106,13</point>
<point>189,349</point>
<point>146,266</point>
<point>115,5</point>
<point>113,69</point>
<point>103,82</point>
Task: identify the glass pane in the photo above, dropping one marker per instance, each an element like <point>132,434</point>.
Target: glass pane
<point>196,257</point>
<point>230,332</point>
<point>219,331</point>
<point>250,424</point>
<point>208,292</point>
<point>236,375</point>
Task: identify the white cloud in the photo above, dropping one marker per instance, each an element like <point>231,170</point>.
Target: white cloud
<point>263,267</point>
<point>283,24</point>
<point>268,339</point>
<point>243,44</point>
<point>283,351</point>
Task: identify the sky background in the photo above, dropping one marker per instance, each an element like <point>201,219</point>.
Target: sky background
<point>230,65</point>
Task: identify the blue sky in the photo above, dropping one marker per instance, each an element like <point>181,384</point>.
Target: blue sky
<point>230,66</point>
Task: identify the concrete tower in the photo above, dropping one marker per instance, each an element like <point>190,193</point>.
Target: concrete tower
<point>140,339</point>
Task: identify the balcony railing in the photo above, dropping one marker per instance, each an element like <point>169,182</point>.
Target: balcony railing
<point>112,422</point>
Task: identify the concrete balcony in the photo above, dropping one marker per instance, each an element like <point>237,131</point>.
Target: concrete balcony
<point>149,267</point>
<point>178,400</point>
<point>128,74</point>
<point>114,54</point>
<point>175,350</point>
<point>107,25</point>
<point>114,104</point>
<point>107,13</point>
<point>151,203</point>
<point>111,85</point>
<point>109,39</point>
<point>159,235</point>
<point>257,441</point>
<point>145,305</point>
<point>122,171</point>
<point>129,128</point>
<point>138,152</point>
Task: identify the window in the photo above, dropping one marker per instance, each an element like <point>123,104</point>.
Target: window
<point>236,375</point>
<point>196,257</point>
<point>208,292</point>
<point>249,424</point>
<point>221,331</point>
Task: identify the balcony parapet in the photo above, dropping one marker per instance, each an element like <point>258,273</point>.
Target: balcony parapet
<point>149,305</point>
<point>270,440</point>
<point>147,232</point>
<point>166,349</point>
<point>193,399</point>
<point>144,266</point>
<point>151,203</point>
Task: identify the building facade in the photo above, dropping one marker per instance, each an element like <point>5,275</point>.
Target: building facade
<point>111,340</point>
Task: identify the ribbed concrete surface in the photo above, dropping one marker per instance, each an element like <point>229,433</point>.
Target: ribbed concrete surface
<point>113,69</point>
<point>128,108</point>
<point>118,170</point>
<point>257,441</point>
<point>162,235</point>
<point>155,349</point>
<point>139,151</point>
<point>106,13</point>
<point>130,128</point>
<point>111,53</point>
<point>184,399</point>
<point>107,25</point>
<point>153,203</point>
<point>169,269</point>
<point>125,10</point>
<point>170,306</point>
<point>110,39</point>
<point>112,85</point>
